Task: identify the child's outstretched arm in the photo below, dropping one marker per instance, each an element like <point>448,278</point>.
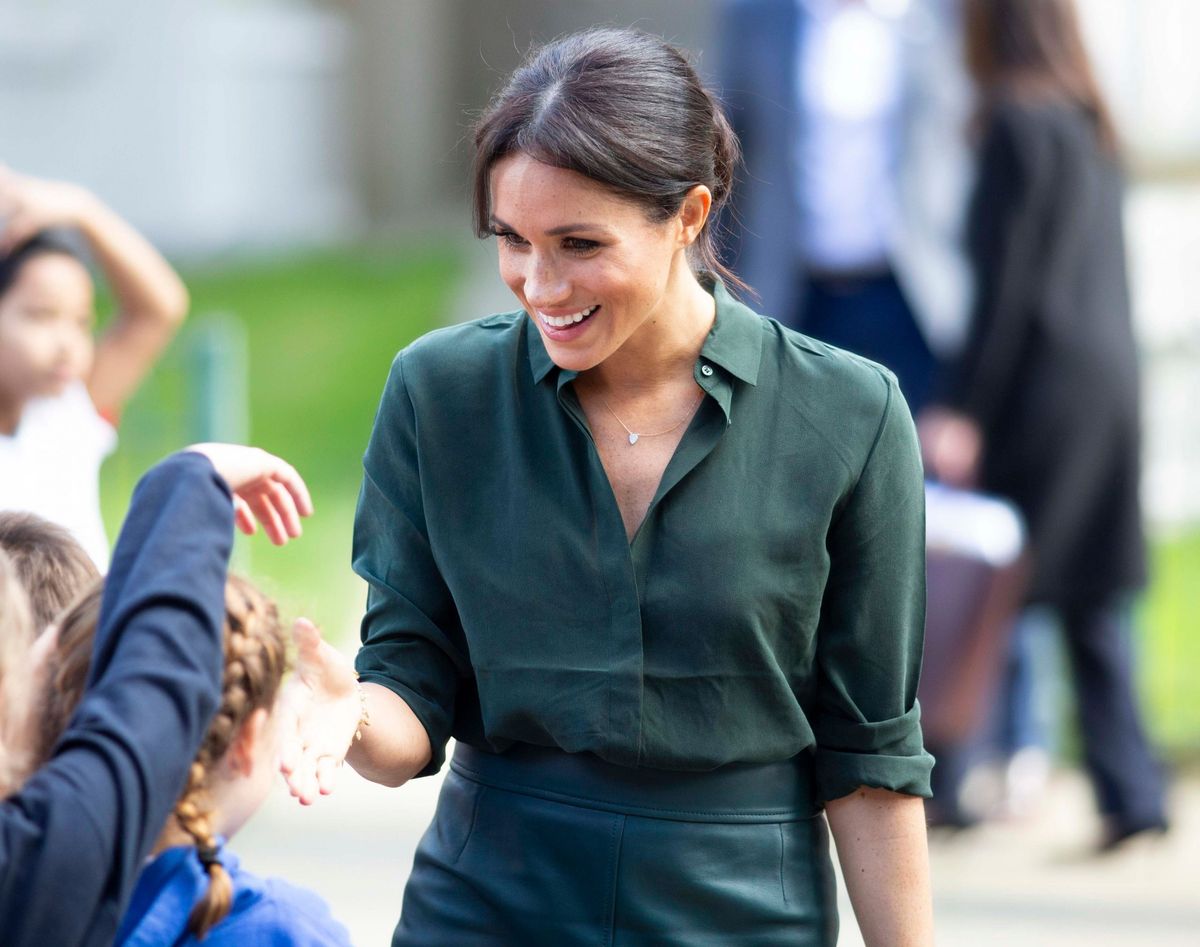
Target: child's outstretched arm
<point>73,839</point>
<point>151,299</point>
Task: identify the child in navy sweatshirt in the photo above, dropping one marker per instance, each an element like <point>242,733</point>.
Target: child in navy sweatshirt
<point>74,835</point>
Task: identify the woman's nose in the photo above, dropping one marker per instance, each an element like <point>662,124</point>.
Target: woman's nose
<point>545,285</point>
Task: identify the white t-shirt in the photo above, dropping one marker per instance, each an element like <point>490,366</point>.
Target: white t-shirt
<point>51,466</point>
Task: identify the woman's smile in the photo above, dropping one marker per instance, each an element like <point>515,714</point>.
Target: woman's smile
<point>564,327</point>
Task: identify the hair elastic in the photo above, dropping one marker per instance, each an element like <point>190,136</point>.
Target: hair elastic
<point>208,855</point>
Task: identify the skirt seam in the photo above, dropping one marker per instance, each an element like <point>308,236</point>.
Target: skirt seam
<point>616,836</point>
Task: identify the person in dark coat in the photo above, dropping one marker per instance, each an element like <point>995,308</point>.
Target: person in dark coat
<point>847,218</point>
<point>1043,405</point>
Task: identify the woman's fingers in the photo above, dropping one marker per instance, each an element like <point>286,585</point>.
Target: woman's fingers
<point>309,665</point>
<point>302,783</point>
<point>327,770</point>
<point>307,638</point>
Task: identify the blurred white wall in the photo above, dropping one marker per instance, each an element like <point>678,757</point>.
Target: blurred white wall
<point>212,124</point>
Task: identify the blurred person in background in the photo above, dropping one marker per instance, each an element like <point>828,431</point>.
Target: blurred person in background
<point>1042,407</point>
<point>847,220</point>
<point>61,391</point>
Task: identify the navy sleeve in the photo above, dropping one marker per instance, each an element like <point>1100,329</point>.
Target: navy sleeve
<point>73,840</point>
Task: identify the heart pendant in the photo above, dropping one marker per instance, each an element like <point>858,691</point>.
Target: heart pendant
<point>633,438</point>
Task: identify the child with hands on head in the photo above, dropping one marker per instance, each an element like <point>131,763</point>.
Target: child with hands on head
<point>61,391</point>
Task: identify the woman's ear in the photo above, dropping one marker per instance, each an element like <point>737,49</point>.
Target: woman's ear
<point>693,213</point>
<point>245,752</point>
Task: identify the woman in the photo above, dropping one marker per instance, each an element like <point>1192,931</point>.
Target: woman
<point>654,561</point>
<point>1043,407</point>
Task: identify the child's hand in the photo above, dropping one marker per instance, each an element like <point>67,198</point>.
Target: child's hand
<point>323,713</point>
<point>264,486</point>
<point>951,446</point>
<point>29,205</point>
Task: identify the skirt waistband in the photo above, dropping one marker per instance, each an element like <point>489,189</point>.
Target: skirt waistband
<point>737,792</point>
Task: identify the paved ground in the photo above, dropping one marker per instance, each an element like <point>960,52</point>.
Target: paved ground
<point>1025,885</point>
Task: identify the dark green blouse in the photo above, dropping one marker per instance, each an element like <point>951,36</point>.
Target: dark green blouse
<point>771,604</point>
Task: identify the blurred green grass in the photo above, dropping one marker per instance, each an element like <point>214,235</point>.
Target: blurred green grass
<point>1169,648</point>
<point>321,330</point>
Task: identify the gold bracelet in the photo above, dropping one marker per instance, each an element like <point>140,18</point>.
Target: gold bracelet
<point>364,716</point>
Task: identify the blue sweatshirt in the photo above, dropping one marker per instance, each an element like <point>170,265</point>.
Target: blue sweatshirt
<point>74,838</point>
<point>266,912</point>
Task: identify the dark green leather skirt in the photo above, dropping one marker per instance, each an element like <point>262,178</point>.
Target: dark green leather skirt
<point>539,847</point>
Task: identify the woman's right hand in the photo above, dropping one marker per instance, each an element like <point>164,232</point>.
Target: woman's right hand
<point>264,486</point>
<point>324,711</point>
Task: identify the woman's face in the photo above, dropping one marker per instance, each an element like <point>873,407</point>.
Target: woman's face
<point>46,319</point>
<point>588,266</point>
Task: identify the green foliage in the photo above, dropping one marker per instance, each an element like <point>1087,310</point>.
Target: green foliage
<point>320,330</point>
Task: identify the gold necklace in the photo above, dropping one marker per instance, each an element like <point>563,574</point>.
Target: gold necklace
<point>634,437</point>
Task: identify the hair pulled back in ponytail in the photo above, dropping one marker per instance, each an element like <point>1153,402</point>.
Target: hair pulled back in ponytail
<point>625,109</point>
<point>255,662</point>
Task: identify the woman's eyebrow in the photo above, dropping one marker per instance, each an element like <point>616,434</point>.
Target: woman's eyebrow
<point>555,231</point>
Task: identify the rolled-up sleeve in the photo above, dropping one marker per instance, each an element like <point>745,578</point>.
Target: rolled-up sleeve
<point>412,640</point>
<point>871,631</point>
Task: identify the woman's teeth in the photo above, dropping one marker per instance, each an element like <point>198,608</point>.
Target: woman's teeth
<point>559,322</point>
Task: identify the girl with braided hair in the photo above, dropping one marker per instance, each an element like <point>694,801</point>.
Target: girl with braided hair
<point>194,889</point>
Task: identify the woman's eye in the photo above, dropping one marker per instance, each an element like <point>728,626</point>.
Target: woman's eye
<point>579,245</point>
<point>510,238</point>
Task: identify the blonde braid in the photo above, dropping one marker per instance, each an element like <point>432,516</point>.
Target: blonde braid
<point>255,661</point>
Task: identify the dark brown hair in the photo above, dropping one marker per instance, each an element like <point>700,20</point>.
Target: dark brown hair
<point>624,109</point>
<point>51,565</point>
<point>43,243</point>
<point>1034,49</point>
<point>255,662</point>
